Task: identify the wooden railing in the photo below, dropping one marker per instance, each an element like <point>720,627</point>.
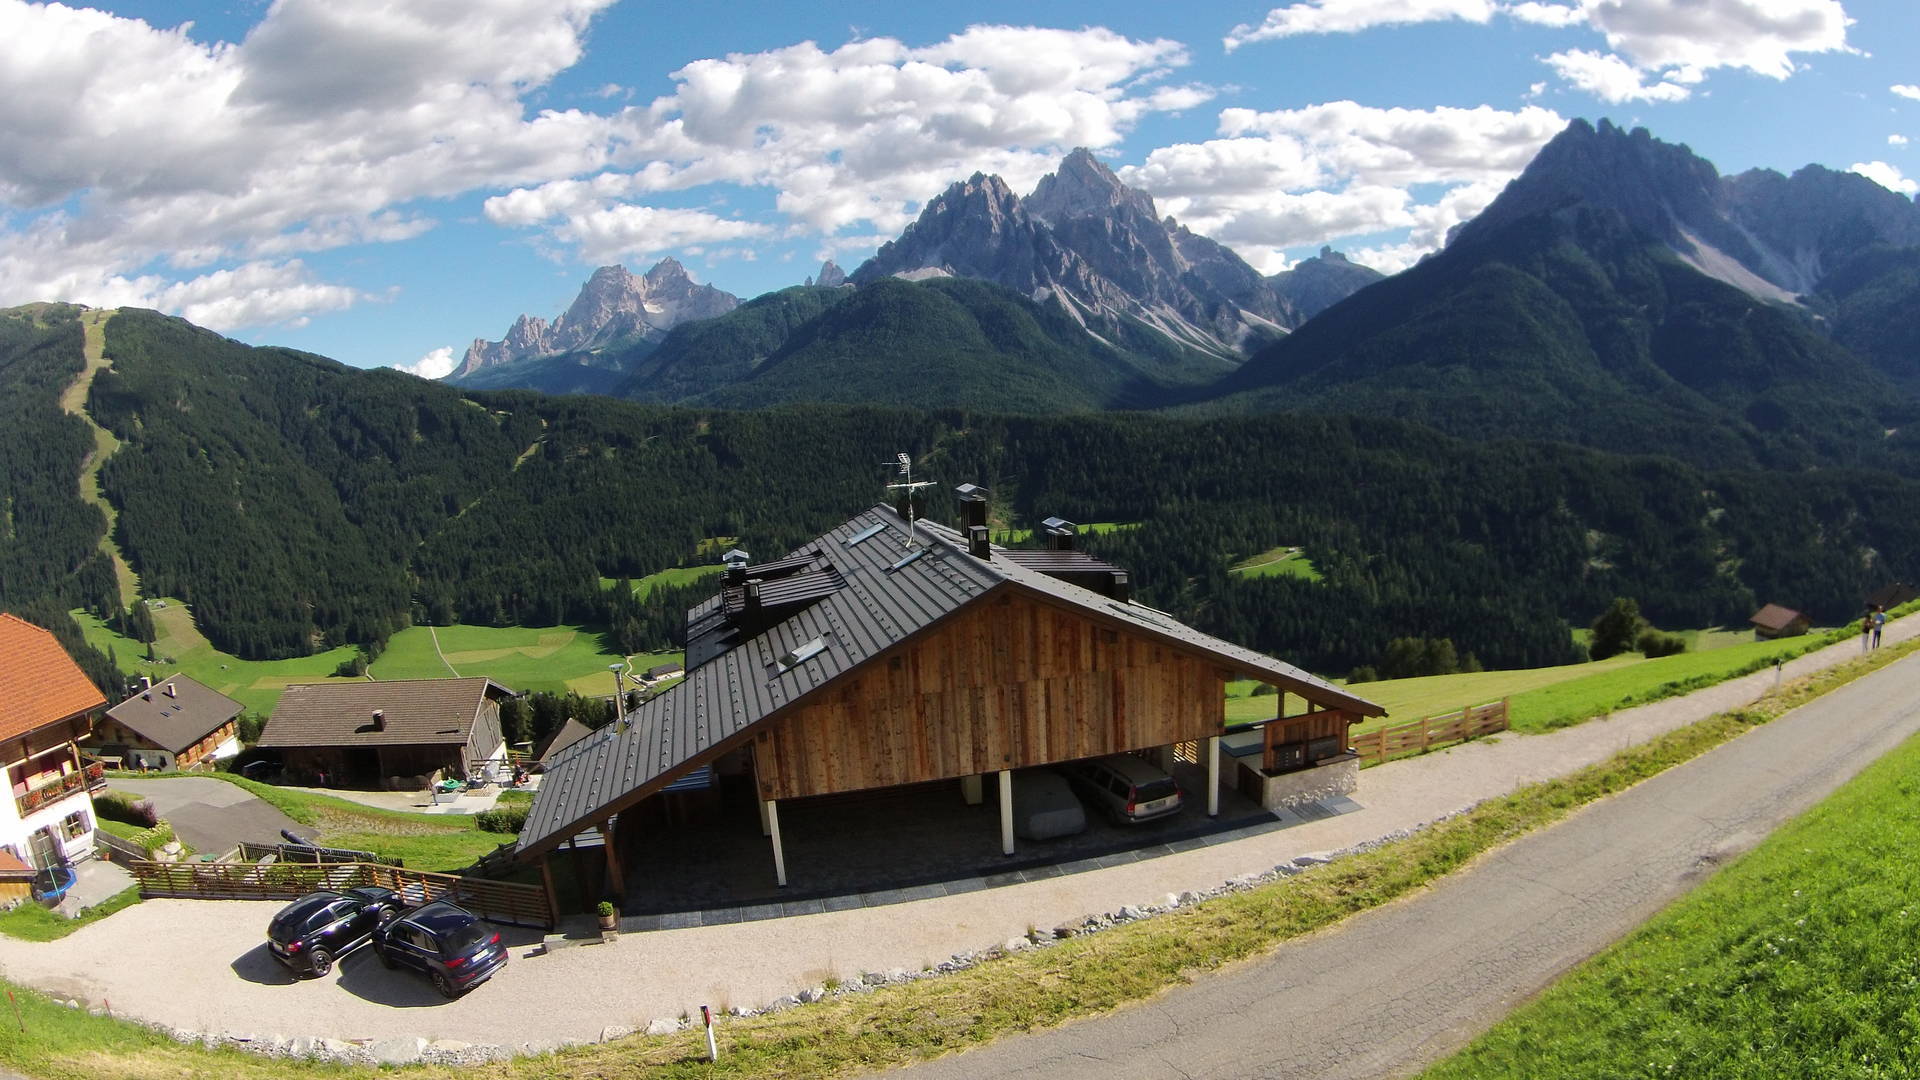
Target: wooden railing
<point>499,901</point>
<point>303,853</point>
<point>34,799</point>
<point>1472,721</point>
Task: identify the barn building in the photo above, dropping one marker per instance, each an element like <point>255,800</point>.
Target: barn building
<point>176,723</point>
<point>400,735</point>
<point>892,651</point>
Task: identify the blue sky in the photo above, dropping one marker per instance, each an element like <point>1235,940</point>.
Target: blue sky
<point>383,183</point>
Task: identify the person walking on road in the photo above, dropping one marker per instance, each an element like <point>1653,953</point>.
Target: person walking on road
<point>1879,623</point>
<point>1866,630</point>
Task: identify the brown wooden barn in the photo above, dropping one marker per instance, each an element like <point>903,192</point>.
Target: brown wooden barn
<point>400,735</point>
<point>1775,621</point>
<point>889,653</point>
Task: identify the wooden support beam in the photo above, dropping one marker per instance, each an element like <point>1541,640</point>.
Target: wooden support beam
<point>1006,811</point>
<point>616,881</point>
<point>546,882</point>
<point>779,856</point>
<point>1213,776</point>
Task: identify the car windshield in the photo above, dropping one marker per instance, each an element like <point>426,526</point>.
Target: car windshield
<point>292,920</point>
<point>1149,790</point>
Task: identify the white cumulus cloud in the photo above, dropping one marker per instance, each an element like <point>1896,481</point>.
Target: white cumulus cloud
<point>1295,177</point>
<point>1896,140</point>
<point>1349,16</point>
<point>134,152</point>
<point>1906,90</point>
<point>437,364</point>
<point>1887,176</point>
<point>1612,79</point>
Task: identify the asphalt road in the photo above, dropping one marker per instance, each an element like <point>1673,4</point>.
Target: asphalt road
<point>1392,990</point>
<point>212,815</point>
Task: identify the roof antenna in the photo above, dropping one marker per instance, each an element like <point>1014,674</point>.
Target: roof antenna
<point>907,487</point>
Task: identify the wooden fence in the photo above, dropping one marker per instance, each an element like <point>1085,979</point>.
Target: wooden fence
<point>305,853</point>
<point>500,901</point>
<point>1469,722</point>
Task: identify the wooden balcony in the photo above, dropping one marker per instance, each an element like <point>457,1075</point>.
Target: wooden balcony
<point>35,799</point>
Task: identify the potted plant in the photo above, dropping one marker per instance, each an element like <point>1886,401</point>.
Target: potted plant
<point>609,918</point>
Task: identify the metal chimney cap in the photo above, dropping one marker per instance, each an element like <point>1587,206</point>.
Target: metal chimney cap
<point>1059,526</point>
<point>736,556</point>
<point>971,492</point>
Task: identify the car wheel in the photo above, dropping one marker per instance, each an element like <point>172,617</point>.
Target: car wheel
<point>386,958</point>
<point>441,984</point>
<point>320,961</point>
<point>385,916</point>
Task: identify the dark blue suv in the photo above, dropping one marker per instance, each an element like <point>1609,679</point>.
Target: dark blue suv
<point>309,934</point>
<point>451,944</point>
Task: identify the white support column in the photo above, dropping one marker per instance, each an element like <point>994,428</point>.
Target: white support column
<point>1213,776</point>
<point>779,856</point>
<point>766,828</point>
<point>1006,811</point>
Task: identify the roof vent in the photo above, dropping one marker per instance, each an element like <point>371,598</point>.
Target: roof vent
<point>736,560</point>
<point>977,544</point>
<point>973,498</point>
<point>170,691</point>
<point>1120,587</point>
<point>1060,533</point>
<point>379,719</point>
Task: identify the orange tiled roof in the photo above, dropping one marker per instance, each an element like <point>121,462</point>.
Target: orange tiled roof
<point>39,683</point>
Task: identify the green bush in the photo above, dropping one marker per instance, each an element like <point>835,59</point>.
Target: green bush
<point>118,806</point>
<point>1656,643</point>
<point>155,838</point>
<point>1363,674</point>
<point>249,726</point>
<point>502,819</point>
<point>1617,628</point>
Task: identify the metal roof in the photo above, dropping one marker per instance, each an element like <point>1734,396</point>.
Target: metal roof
<point>735,680</point>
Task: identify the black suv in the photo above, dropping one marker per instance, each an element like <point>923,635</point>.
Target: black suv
<point>309,934</point>
<point>449,943</point>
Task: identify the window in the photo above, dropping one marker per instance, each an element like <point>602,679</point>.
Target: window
<point>75,825</point>
<point>867,533</point>
<point>800,655</point>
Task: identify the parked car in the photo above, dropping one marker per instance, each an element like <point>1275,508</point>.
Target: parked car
<point>1044,807</point>
<point>453,946</point>
<point>311,933</point>
<point>1130,789</point>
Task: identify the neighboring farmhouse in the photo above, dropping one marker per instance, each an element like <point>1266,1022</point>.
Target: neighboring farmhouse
<point>177,723</point>
<point>400,735</point>
<point>892,652</point>
<point>1775,621</point>
<point>45,702</point>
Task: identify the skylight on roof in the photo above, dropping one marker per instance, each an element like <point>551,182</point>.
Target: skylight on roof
<point>867,533</point>
<point>907,558</point>
<point>801,654</point>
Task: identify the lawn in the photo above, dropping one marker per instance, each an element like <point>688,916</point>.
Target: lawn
<point>1795,961</point>
<point>1010,537</point>
<point>1547,698</point>
<point>440,842</point>
<point>31,922</point>
<point>673,575</point>
<point>256,684</point>
<point>1283,561</point>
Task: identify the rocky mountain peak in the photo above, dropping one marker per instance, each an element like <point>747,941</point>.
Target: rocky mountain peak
<point>830,276</point>
<point>1316,284</point>
<point>613,306</point>
<point>1084,187</point>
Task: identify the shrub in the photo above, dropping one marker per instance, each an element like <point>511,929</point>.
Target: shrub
<point>1617,628</point>
<point>142,813</point>
<point>117,806</point>
<point>155,838</point>
<point>1655,643</point>
<point>1265,690</point>
<point>502,819</point>
<point>604,908</point>
<point>248,727</point>
<point>1361,674</point>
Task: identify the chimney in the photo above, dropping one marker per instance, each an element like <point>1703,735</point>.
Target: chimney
<point>736,560</point>
<point>146,682</point>
<point>1120,588</point>
<point>977,542</point>
<point>170,690</point>
<point>973,499</point>
<point>1060,533</point>
<point>379,719</point>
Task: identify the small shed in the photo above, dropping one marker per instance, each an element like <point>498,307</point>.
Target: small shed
<point>175,723</point>
<point>1776,621</point>
<point>401,734</point>
<point>665,671</point>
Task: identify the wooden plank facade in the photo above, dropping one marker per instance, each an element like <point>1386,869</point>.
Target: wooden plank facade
<point>1010,683</point>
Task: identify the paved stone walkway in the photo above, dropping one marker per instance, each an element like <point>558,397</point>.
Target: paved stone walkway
<point>575,993</point>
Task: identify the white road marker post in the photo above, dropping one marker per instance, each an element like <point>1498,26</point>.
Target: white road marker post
<point>713,1048</point>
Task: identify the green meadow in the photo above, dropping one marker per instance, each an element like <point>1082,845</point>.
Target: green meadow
<point>1282,561</point>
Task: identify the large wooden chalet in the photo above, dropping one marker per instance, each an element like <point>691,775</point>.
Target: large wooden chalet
<point>893,651</point>
<point>46,707</point>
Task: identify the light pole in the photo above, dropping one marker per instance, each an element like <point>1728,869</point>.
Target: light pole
<point>619,696</point>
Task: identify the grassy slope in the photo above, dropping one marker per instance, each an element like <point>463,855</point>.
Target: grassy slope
<point>856,1034</point>
<point>1795,961</point>
<point>31,922</point>
<point>1283,561</point>
<point>1546,698</point>
<point>674,575</point>
<point>552,658</point>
